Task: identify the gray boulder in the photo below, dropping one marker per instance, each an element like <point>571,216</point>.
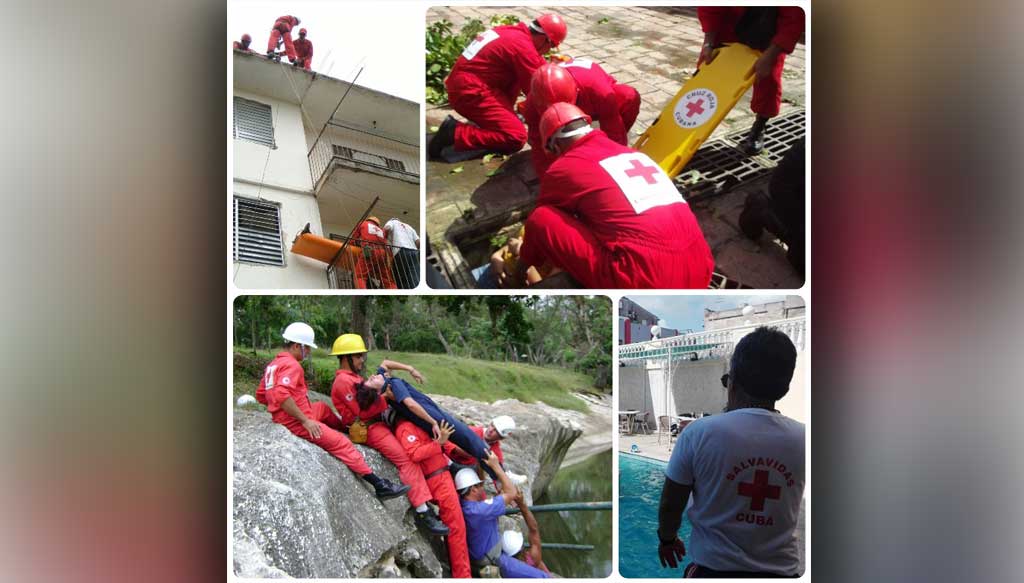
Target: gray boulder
<point>299,512</point>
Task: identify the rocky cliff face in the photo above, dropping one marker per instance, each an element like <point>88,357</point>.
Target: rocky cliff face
<point>300,512</point>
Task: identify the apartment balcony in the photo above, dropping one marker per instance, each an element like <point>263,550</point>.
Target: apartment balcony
<point>358,265</point>
<point>352,166</point>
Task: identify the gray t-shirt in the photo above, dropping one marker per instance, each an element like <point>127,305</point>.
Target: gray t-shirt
<point>746,468</point>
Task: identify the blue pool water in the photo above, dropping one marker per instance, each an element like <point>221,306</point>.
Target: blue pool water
<point>640,483</point>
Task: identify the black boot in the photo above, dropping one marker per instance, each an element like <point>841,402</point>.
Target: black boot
<point>755,139</point>
<point>385,489</point>
<point>444,137</point>
<point>431,522</point>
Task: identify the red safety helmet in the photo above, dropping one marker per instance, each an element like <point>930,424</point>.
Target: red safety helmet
<point>302,31</point>
<point>553,26</point>
<point>246,38</point>
<point>552,84</point>
<point>557,117</point>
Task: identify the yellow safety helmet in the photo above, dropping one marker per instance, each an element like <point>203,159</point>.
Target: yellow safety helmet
<point>348,344</point>
<point>374,219</point>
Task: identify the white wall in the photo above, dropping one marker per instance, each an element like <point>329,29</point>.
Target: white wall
<point>298,271</point>
<point>287,166</point>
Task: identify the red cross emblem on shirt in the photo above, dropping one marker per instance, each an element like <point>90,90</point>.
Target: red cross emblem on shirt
<point>646,172</point>
<point>759,490</point>
<point>694,107</point>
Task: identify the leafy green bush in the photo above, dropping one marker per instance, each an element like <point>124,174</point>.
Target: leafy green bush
<point>444,46</point>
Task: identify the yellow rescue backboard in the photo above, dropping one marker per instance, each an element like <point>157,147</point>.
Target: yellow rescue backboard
<point>698,108</point>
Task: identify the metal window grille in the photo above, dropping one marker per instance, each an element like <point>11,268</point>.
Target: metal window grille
<point>258,232</point>
<point>395,164</point>
<point>368,158</point>
<point>342,151</point>
<point>254,122</point>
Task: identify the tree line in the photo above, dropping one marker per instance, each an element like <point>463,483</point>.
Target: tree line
<point>573,332</point>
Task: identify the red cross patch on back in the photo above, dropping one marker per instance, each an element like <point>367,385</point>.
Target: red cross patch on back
<point>641,181</point>
<point>481,41</point>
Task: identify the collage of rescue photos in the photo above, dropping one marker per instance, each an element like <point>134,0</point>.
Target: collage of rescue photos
<point>581,411</point>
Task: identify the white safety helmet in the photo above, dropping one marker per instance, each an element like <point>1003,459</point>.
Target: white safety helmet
<point>300,333</point>
<point>465,478</point>
<point>504,425</point>
<point>511,542</point>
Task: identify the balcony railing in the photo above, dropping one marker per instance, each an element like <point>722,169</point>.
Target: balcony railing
<point>330,149</point>
<point>362,265</point>
<point>709,344</point>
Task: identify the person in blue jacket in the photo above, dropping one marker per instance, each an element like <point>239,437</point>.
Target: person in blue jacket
<point>420,409</point>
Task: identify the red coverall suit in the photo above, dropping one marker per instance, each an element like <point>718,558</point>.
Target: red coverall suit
<point>378,436</point>
<point>282,29</point>
<point>460,457</point>
<point>304,51</point>
<point>237,45</point>
<point>423,450</point>
<point>483,86</point>
<point>378,264</point>
<point>611,218</point>
<point>614,104</point>
<point>789,26</point>
<point>284,378</point>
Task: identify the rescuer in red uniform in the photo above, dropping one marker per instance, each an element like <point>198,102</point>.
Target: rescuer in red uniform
<point>303,50</point>
<point>351,353</point>
<point>584,83</point>
<point>282,30</point>
<point>609,215</point>
<point>773,30</point>
<point>485,81</point>
<point>243,45</point>
<point>375,259</point>
<point>427,452</point>
<point>283,390</point>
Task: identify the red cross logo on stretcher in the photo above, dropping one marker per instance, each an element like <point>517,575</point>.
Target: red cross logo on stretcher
<point>641,181</point>
<point>695,108</point>
<point>759,490</point>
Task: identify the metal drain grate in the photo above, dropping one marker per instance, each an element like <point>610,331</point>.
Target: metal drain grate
<point>720,165</point>
<point>781,133</point>
<point>719,281</point>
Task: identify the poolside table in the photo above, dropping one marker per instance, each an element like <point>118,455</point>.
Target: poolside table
<point>631,417</point>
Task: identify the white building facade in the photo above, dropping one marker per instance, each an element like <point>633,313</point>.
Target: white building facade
<point>312,154</point>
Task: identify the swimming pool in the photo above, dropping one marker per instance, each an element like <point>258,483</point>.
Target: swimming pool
<point>640,483</point>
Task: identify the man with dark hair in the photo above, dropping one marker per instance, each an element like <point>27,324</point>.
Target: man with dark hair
<point>745,470</point>
<point>283,390</point>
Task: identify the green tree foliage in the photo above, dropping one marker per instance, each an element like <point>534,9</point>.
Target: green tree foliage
<point>569,332</point>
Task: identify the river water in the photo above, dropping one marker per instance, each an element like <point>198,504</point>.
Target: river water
<point>588,481</point>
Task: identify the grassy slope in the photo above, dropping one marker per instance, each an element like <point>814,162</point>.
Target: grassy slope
<point>479,380</point>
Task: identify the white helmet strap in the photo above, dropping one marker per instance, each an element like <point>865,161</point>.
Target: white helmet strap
<point>580,131</point>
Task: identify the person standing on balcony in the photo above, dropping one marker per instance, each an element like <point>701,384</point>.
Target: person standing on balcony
<point>282,32</point>
<point>303,50</point>
<point>283,390</point>
<point>374,260</point>
<point>608,215</point>
<point>405,245</point>
<point>351,353</point>
<point>243,45</point>
<point>772,30</point>
<point>745,470</point>
<point>485,82</point>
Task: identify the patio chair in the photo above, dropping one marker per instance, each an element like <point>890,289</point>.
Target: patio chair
<point>640,422</point>
<point>665,426</point>
<point>623,423</point>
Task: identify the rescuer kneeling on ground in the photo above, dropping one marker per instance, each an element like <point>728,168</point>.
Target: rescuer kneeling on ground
<point>482,513</point>
<point>745,470</point>
<point>609,215</point>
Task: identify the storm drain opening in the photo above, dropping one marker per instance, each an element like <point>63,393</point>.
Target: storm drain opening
<point>721,165</point>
